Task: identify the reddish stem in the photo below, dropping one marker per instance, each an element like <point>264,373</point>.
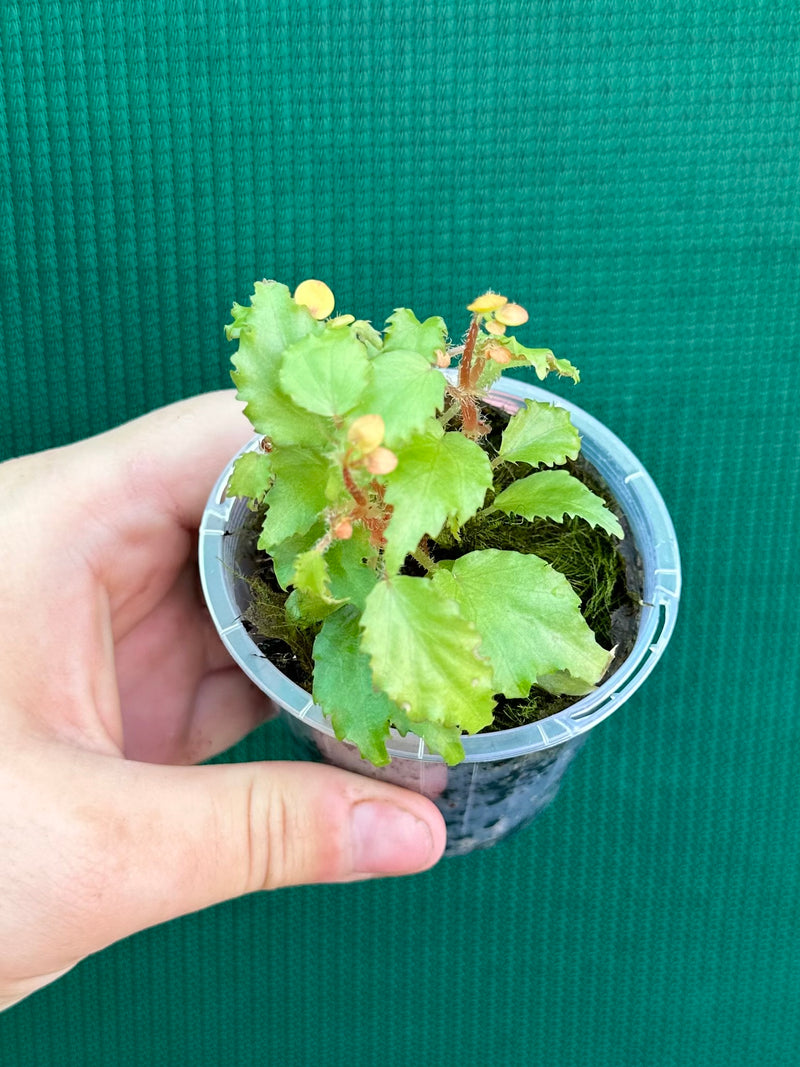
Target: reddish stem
<point>469,417</point>
<point>357,494</point>
<point>374,515</point>
<point>465,369</point>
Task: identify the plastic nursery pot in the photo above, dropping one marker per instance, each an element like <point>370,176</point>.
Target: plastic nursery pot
<point>510,776</point>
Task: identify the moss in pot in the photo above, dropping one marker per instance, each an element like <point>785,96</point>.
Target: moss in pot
<point>395,526</point>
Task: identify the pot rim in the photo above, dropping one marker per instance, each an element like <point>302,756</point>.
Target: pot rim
<point>651,528</point>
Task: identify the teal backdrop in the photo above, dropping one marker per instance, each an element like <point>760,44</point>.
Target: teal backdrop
<point>630,171</point>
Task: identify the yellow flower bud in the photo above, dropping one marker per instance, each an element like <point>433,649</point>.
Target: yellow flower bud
<point>512,315</point>
<point>381,461</point>
<point>366,433</point>
<point>316,296</point>
<point>495,328</point>
<point>442,358</point>
<point>482,305</point>
<point>342,320</point>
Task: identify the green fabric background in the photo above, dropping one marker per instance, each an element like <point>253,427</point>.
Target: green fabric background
<point>629,171</point>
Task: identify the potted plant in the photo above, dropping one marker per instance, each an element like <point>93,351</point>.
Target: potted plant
<point>444,576</point>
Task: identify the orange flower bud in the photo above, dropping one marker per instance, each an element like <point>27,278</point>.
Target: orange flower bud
<point>316,296</point>
<point>442,358</point>
<point>381,461</point>
<point>366,433</point>
<point>512,315</point>
<point>498,353</point>
<point>342,531</point>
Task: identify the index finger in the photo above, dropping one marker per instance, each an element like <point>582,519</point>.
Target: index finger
<point>170,458</point>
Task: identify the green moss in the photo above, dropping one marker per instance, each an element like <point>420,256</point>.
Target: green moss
<point>537,705</point>
<point>288,646</point>
<point>267,615</point>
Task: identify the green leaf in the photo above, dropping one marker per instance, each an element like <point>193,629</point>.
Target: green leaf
<point>489,375</point>
<point>521,356</point>
<point>343,687</point>
<point>310,575</point>
<point>304,609</point>
<point>350,577</point>
<point>265,330</point>
<point>286,552</point>
<point>563,368</point>
<point>437,478</point>
<point>251,476</point>
<point>404,331</point>
<point>241,315</point>
<point>562,683</point>
<point>298,495</point>
<point>423,654</point>
<point>551,495</point>
<point>351,565</point>
<point>541,359</point>
<point>540,434</point>
<point>406,391</point>
<point>335,489</point>
<point>368,336</point>
<point>445,741</point>
<point>326,374</point>
<point>528,616</point>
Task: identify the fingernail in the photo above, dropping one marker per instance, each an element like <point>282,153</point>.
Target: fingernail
<point>389,840</point>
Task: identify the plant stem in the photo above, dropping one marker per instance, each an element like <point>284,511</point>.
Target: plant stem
<point>424,560</point>
<point>470,420</point>
<point>449,414</point>
<point>465,368</point>
<point>357,494</point>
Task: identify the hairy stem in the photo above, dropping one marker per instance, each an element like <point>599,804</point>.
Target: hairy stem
<point>449,414</point>
<point>424,560</point>
<point>357,494</point>
<point>465,369</point>
<point>470,419</point>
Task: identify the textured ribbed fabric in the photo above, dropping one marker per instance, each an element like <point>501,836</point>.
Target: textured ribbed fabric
<point>629,172</point>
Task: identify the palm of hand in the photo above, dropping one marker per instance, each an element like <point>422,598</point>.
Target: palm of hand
<point>109,667</point>
<point>110,654</point>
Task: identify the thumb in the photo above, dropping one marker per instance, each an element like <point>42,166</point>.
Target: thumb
<point>189,837</point>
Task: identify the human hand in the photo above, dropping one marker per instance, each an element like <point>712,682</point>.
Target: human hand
<point>113,681</point>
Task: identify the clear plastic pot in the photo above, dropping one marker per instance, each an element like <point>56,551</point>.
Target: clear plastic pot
<point>510,776</point>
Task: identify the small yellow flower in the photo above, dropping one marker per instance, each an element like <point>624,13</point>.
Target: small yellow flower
<point>316,296</point>
<point>482,305</point>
